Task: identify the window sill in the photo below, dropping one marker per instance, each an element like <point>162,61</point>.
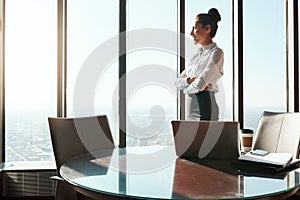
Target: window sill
<point>28,166</point>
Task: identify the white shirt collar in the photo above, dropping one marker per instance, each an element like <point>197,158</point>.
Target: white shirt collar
<point>207,47</point>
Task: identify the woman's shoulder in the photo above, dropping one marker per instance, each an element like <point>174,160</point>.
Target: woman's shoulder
<point>217,50</point>
<point>216,47</point>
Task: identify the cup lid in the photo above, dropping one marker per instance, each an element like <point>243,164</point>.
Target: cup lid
<point>246,130</point>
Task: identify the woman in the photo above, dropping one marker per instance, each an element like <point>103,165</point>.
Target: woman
<point>199,79</point>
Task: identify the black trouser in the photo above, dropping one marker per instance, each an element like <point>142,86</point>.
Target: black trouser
<point>205,104</point>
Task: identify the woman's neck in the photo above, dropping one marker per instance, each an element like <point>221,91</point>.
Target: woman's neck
<point>206,42</point>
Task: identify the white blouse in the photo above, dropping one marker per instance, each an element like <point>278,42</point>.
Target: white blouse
<point>206,66</point>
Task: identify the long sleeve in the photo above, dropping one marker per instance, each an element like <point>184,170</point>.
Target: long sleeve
<point>181,81</point>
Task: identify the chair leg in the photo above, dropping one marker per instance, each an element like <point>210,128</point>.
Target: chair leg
<point>65,191</point>
<point>79,196</point>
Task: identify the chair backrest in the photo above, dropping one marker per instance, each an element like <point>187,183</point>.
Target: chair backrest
<point>278,133</point>
<point>75,136</point>
<point>206,139</point>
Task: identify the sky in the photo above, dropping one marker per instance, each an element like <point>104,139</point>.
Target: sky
<point>86,30</point>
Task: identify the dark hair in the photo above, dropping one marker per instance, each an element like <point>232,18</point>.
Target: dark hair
<point>211,18</point>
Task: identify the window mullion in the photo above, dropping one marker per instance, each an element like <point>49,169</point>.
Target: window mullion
<point>2,83</point>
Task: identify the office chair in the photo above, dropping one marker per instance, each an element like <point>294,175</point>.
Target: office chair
<point>75,136</point>
<point>278,132</point>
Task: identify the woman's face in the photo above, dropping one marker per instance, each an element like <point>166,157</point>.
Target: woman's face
<point>200,34</point>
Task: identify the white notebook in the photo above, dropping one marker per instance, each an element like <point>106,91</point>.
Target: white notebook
<point>279,159</point>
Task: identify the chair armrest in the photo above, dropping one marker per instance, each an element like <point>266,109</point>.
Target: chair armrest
<point>56,178</point>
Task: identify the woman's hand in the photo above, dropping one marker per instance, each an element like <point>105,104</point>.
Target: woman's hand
<point>190,79</point>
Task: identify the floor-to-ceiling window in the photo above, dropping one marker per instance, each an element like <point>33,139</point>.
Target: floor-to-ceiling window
<point>151,71</point>
<point>92,59</point>
<point>152,63</point>
<point>264,58</point>
<point>30,78</point>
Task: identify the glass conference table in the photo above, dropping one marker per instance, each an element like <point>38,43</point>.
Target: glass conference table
<point>155,172</point>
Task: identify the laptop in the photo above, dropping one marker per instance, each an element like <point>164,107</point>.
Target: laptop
<point>206,139</point>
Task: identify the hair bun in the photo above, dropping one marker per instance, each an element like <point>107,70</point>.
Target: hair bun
<point>214,13</point>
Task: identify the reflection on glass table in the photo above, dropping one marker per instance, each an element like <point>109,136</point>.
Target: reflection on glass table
<point>156,172</point>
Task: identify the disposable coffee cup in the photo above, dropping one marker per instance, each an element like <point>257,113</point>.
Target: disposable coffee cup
<point>246,140</point>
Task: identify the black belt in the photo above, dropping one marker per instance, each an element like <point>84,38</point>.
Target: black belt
<point>205,91</point>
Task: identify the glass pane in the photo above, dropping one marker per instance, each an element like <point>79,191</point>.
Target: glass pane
<point>223,39</point>
<point>264,59</point>
<point>30,78</point>
<point>151,71</point>
<point>92,69</point>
